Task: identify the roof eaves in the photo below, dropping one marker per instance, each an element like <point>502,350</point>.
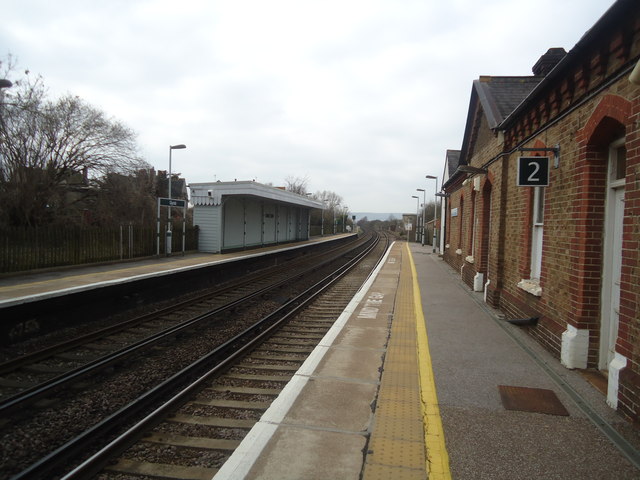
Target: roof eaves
<point>487,100</point>
<point>467,128</point>
<point>219,189</point>
<point>452,160</point>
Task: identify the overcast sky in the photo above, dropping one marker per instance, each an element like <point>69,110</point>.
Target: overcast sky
<point>361,98</point>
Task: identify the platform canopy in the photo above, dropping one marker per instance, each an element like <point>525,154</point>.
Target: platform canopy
<point>212,193</point>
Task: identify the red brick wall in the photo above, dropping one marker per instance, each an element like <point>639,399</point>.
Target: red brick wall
<point>573,233</point>
<point>472,203</point>
<point>583,121</point>
<point>484,227</point>
<point>454,231</point>
<point>574,216</point>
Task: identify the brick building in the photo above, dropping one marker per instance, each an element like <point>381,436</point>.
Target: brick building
<point>566,254</point>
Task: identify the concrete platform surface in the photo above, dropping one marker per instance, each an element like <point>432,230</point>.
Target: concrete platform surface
<point>322,425</point>
<point>383,397</point>
<point>407,383</point>
<point>473,351</point>
<point>15,289</point>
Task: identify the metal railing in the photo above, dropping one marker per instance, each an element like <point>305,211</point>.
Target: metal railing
<point>23,249</point>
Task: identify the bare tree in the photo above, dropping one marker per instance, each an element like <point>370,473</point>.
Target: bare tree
<point>330,199</point>
<point>48,148</point>
<point>333,212</point>
<point>297,185</point>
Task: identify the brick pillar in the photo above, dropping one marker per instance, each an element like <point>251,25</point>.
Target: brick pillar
<point>499,176</point>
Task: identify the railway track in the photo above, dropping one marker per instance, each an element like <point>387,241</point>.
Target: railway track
<point>252,384</point>
<point>33,376</point>
<point>200,436</point>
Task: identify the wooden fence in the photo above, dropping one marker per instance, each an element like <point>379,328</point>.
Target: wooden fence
<point>23,249</point>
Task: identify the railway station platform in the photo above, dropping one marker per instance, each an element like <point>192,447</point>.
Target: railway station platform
<point>28,287</point>
<point>419,379</point>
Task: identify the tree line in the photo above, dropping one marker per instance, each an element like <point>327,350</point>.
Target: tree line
<point>65,162</point>
<point>334,212</point>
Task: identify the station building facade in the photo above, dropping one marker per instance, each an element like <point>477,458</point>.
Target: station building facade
<point>245,214</point>
<point>565,255</point>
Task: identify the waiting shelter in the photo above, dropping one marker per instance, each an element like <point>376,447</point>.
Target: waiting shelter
<point>246,214</point>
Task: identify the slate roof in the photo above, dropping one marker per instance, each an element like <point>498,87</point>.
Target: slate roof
<point>499,96</point>
<point>453,160</point>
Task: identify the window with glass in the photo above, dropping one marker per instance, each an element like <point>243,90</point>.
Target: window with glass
<point>537,232</point>
<point>618,162</point>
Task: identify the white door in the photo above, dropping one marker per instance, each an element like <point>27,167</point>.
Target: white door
<point>612,270</point>
<point>616,271</point>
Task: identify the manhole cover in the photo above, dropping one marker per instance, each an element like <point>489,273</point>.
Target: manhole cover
<point>536,400</point>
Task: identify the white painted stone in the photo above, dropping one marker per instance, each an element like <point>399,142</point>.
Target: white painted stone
<point>531,286</point>
<point>575,347</point>
<point>478,281</point>
<point>617,364</point>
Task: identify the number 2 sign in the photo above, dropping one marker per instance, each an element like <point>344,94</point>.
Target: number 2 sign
<point>533,171</point>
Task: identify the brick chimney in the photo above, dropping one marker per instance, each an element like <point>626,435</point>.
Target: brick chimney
<point>547,61</point>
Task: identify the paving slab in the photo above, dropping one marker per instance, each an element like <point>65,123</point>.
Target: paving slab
<point>472,354</point>
<point>358,382</point>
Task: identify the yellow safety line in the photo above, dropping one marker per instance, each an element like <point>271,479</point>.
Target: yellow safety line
<point>436,454</point>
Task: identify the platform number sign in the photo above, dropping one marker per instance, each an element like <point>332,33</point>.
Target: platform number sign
<point>533,171</point>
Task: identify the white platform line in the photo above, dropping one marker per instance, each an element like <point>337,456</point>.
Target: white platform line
<point>170,271</point>
<point>244,457</point>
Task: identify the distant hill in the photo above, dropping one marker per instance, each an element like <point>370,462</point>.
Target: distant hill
<point>375,216</point>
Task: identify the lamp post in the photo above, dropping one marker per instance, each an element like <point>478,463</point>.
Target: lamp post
<point>424,210</point>
<point>168,244</point>
<point>344,219</point>
<point>417,213</point>
<point>435,211</point>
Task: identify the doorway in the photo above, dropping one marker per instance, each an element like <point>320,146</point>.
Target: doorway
<point>612,267</point>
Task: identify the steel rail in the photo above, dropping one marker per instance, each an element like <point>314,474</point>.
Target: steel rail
<point>51,385</point>
<point>16,363</point>
<point>92,465</point>
<point>213,362</point>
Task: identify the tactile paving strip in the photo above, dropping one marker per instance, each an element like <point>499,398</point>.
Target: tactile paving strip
<point>396,447</point>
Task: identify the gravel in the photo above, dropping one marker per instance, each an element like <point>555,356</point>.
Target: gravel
<point>33,433</point>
